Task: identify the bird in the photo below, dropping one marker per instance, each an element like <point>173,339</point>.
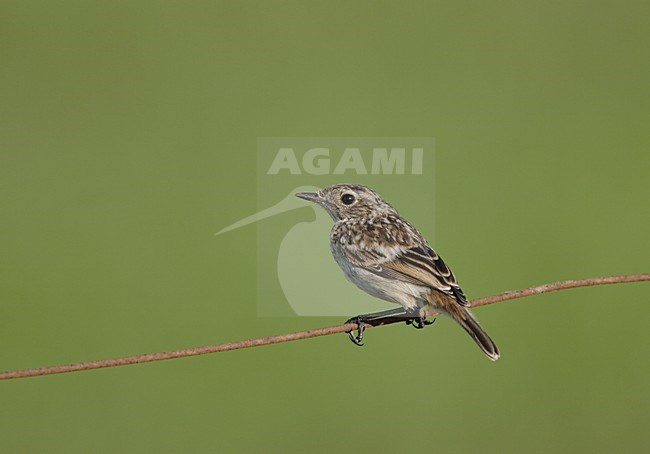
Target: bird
<point>385,256</point>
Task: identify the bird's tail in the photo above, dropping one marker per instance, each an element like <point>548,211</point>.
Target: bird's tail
<point>469,324</point>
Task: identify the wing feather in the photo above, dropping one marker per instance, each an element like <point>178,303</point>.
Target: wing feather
<point>419,265</point>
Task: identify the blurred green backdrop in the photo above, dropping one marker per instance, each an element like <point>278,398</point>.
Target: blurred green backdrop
<point>127,138</point>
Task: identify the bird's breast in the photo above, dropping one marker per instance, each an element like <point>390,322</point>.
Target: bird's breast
<point>403,293</point>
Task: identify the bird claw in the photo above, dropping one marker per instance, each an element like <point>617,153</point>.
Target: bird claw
<point>361,327</point>
<point>420,322</point>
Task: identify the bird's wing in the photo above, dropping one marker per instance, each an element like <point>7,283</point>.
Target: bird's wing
<point>419,265</point>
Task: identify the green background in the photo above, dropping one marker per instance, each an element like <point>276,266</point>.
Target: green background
<point>127,138</point>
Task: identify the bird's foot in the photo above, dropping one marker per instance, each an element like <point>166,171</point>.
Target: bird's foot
<point>420,322</point>
<point>361,327</point>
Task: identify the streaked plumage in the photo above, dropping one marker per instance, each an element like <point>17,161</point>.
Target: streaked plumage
<point>384,255</point>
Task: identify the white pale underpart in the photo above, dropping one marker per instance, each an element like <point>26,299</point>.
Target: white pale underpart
<point>403,293</point>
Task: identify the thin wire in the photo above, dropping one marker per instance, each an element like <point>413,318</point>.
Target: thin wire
<point>160,356</point>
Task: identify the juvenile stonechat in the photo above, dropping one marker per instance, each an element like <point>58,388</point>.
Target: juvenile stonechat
<point>385,256</point>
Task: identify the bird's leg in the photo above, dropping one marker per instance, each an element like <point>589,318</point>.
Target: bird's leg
<point>410,316</point>
<point>376,318</point>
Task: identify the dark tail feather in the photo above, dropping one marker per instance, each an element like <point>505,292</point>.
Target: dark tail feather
<point>469,324</point>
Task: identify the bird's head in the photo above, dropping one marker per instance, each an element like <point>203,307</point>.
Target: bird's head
<point>349,201</point>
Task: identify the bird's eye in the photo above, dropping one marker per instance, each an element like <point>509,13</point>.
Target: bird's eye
<point>347,199</point>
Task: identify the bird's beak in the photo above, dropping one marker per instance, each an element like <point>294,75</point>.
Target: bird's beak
<point>310,196</point>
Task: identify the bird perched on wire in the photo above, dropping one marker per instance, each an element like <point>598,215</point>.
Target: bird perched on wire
<point>384,255</point>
